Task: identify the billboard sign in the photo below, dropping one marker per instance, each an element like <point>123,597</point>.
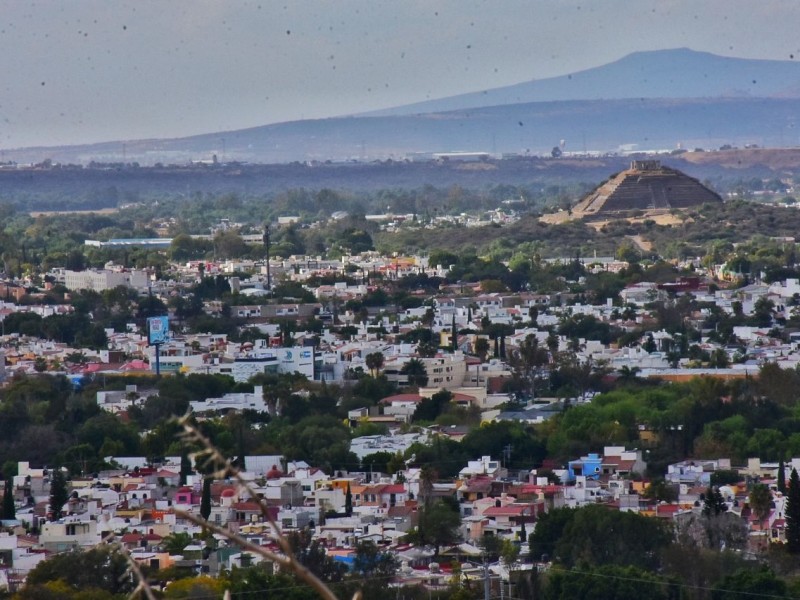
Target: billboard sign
<point>157,330</point>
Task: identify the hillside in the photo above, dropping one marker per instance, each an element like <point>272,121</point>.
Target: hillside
<point>605,126</point>
<point>676,73</point>
<point>730,222</point>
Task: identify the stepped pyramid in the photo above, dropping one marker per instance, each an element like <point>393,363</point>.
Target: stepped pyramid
<point>646,186</point>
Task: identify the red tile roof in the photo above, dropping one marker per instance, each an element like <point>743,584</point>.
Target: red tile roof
<point>509,510</point>
<point>246,506</point>
<point>667,510</point>
<point>402,398</point>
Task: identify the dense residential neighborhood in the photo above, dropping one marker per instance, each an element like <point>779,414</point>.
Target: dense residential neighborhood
<point>451,428</point>
<point>416,301</point>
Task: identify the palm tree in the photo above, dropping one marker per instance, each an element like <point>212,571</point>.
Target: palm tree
<point>427,477</point>
<point>374,362</point>
<point>627,373</point>
<point>416,372</point>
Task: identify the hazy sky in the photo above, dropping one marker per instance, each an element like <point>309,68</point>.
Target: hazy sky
<point>77,71</point>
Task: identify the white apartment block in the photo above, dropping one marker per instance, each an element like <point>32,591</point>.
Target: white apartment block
<point>100,280</point>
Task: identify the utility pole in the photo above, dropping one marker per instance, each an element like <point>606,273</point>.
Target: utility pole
<point>507,453</point>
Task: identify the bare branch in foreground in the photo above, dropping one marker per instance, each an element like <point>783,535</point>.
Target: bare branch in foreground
<point>223,468</point>
<point>142,588</point>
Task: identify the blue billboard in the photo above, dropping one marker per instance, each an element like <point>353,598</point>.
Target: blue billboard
<point>157,330</point>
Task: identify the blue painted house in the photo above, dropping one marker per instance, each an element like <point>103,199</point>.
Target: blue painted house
<point>589,466</point>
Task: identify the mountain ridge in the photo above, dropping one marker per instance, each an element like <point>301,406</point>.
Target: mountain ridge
<point>643,74</point>
<point>732,111</point>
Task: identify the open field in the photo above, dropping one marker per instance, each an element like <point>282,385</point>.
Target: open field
<point>51,213</point>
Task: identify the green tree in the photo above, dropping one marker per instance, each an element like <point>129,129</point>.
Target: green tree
<point>748,583</point>
<point>782,477</point>
<point>229,244</point>
<point>186,467</point>
<point>527,360</point>
<point>176,542</point>
<point>348,501</point>
<point>100,568</point>
<point>491,439</point>
<point>713,502</point>
<point>321,440</point>
<point>374,567</point>
<point>427,478</point>
<point>439,525</point>
<point>374,362</point>
<point>58,494</point>
<point>241,462</point>
<point>607,582</point>
<point>760,501</point>
<point>311,554</point>
<point>201,586</point>
<point>430,408</point>
<point>491,547</point>
<point>661,491</point>
<point>481,348</point>
<point>257,582</point>
<point>205,499</point>
<point>597,536</point>
<point>9,509</point>
<point>416,373</point>
<point>719,359</point>
<point>509,552</point>
<point>793,514</point>
<point>76,261</point>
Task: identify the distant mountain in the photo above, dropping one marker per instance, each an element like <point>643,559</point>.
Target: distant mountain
<point>677,73</point>
<point>647,101</point>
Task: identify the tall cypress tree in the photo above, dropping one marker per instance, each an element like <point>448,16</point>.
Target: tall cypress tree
<point>454,334</point>
<point>205,499</point>
<point>58,494</point>
<point>793,514</point>
<point>348,501</point>
<point>782,477</point>
<point>186,467</point>
<point>713,503</point>
<point>9,510</point>
<point>240,460</point>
